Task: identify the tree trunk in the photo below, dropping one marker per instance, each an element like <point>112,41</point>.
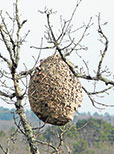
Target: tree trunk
<point>28,131</point>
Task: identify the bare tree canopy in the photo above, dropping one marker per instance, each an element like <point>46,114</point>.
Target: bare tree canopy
<point>14,83</point>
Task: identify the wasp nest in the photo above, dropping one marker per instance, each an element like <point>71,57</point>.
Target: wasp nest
<point>54,92</point>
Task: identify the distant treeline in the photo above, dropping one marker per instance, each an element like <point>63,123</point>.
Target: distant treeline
<point>7,114</point>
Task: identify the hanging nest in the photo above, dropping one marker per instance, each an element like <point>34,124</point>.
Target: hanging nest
<point>54,93</point>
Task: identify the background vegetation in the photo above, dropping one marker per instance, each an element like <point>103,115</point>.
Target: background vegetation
<point>90,134</point>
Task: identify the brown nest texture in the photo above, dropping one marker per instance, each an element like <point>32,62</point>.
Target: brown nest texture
<point>54,92</point>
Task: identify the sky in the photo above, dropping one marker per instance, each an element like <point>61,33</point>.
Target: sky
<point>36,24</point>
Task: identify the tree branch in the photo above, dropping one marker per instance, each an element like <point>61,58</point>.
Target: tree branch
<point>6,95</point>
<point>105,49</point>
<point>3,150</point>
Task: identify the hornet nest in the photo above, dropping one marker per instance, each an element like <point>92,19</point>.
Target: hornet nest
<point>54,92</point>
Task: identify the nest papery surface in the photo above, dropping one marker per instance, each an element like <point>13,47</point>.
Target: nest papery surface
<point>54,92</point>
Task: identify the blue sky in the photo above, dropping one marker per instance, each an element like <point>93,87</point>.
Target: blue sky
<point>88,8</point>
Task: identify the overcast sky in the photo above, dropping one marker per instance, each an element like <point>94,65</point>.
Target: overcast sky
<point>88,8</point>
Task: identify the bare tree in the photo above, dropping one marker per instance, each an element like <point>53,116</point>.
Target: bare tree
<point>11,81</point>
<point>13,93</point>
